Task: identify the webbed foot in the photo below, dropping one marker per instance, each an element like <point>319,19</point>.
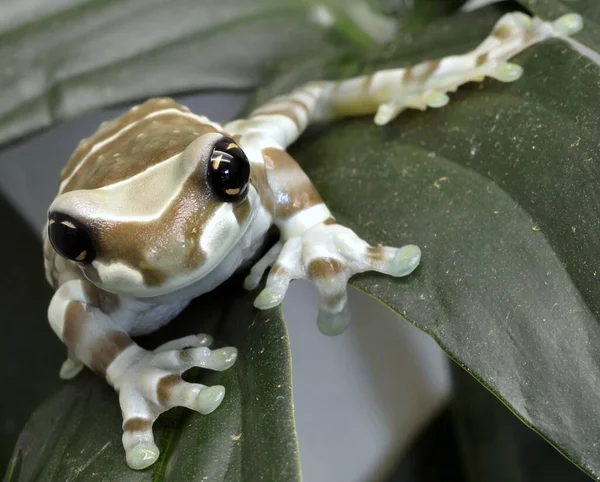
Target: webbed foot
<point>153,384</point>
<point>328,255</point>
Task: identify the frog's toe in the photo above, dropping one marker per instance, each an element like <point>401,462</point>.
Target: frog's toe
<point>388,112</point>
<point>218,360</point>
<point>258,270</point>
<point>142,455</point>
<point>506,72</point>
<point>194,396</point>
<point>203,339</point>
<point>568,24</point>
<point>333,323</point>
<point>209,399</point>
<point>276,287</point>
<point>178,361</point>
<point>406,260</point>
<point>331,277</point>
<point>223,358</point>
<point>138,439</point>
<point>393,261</point>
<point>191,341</point>
<point>70,369</point>
<point>269,298</point>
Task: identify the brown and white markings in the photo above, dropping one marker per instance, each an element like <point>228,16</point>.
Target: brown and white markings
<point>161,205</point>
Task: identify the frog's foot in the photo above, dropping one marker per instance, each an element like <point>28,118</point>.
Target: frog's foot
<point>70,367</point>
<point>152,384</point>
<point>328,255</point>
<point>427,84</point>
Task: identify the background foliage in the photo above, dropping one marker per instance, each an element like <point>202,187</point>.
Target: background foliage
<point>499,190</point>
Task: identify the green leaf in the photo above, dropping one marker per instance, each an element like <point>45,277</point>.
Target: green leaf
<point>76,434</point>
<point>427,10</point>
<point>60,61</point>
<point>485,432</point>
<point>588,9</point>
<point>29,356</point>
<point>62,58</point>
<point>499,189</point>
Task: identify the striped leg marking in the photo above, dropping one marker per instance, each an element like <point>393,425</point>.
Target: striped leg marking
<point>328,255</point>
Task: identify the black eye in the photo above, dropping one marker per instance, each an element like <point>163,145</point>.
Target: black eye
<point>70,238</point>
<point>228,171</point>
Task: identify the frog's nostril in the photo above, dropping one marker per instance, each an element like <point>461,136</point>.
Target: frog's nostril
<point>70,238</point>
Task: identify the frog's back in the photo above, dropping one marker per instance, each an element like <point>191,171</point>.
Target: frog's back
<point>128,145</point>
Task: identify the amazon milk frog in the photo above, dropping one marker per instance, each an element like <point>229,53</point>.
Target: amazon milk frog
<point>162,205</point>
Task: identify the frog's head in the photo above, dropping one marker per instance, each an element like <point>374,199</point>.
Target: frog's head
<point>161,229</point>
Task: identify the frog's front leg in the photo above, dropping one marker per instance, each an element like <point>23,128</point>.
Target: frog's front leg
<point>148,382</point>
<point>328,254</point>
<point>313,246</point>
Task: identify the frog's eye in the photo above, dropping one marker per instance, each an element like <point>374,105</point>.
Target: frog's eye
<point>70,238</point>
<point>228,171</point>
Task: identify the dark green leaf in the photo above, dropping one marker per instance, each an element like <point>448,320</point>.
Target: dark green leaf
<point>484,429</point>
<point>500,191</point>
<point>427,10</point>
<point>495,446</point>
<point>60,59</point>
<point>29,357</point>
<point>588,9</point>
<point>76,434</point>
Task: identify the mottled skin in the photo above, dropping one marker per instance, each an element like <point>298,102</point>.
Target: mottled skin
<point>161,236</point>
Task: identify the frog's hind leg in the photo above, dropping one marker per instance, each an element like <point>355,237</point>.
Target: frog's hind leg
<point>389,92</point>
<point>386,93</point>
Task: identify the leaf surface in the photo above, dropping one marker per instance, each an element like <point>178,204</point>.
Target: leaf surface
<point>499,189</point>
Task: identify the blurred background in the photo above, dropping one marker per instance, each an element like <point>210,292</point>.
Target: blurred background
<point>372,404</point>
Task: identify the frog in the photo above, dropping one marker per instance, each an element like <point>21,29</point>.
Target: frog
<point>161,205</point>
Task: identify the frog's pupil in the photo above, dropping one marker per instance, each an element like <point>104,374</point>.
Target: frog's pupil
<point>224,171</point>
<point>229,171</point>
